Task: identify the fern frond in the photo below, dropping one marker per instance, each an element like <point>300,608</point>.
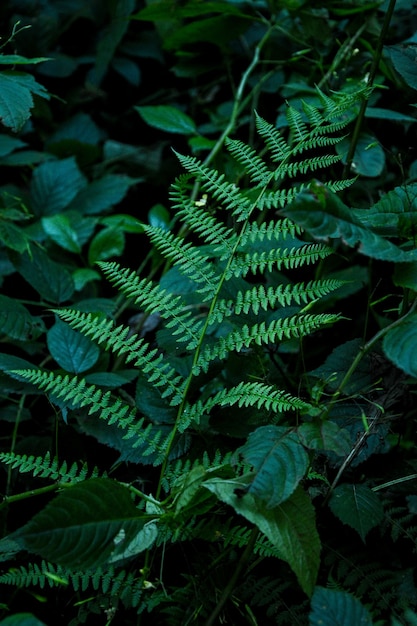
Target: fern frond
<point>285,328</point>
<point>307,165</point>
<point>76,392</point>
<point>116,339</point>
<point>277,230</point>
<point>153,299</point>
<point>244,395</point>
<point>45,467</point>
<point>260,297</point>
<point>275,142</point>
<point>297,125</point>
<point>122,584</point>
<point>187,257</point>
<point>201,222</point>
<point>248,157</point>
<point>227,193</point>
<point>280,198</point>
<point>289,258</point>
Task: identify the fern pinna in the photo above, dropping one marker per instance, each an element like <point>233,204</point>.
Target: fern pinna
<point>229,314</point>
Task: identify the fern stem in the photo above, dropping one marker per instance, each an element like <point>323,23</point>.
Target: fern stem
<point>233,580</point>
<point>370,82</point>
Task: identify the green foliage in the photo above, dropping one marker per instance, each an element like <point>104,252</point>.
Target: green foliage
<point>226,432</point>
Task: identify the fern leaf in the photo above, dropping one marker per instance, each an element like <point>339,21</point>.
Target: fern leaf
<point>116,338</point>
<point>260,297</point>
<point>286,328</point>
<point>188,258</point>
<point>200,221</point>
<point>248,157</point>
<point>277,231</point>
<point>247,394</point>
<point>213,182</point>
<point>288,258</point>
<point>276,144</point>
<point>45,467</point>
<point>153,299</point>
<point>297,125</point>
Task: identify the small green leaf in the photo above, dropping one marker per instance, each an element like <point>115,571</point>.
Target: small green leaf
<point>159,217</point>
<point>369,157</point>
<point>84,525</point>
<point>83,276</point>
<point>400,345</point>
<point>404,59</point>
<point>16,321</point>
<point>59,229</point>
<point>70,349</point>
<point>108,243</point>
<point>167,118</point>
<point>291,526</point>
<point>337,608</point>
<point>54,184</point>
<point>279,461</point>
<point>51,280</point>
<point>125,222</point>
<point>17,59</point>
<point>357,506</point>
<point>325,436</point>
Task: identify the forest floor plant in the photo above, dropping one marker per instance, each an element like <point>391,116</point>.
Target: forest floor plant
<point>248,443</point>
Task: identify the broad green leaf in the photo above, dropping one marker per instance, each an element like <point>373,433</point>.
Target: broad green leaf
<point>333,370</point>
<point>128,69</point>
<point>59,229</point>
<point>326,436</point>
<point>393,214</point>
<point>125,222</point>
<point>108,243</point>
<point>330,607</point>
<point>54,184</point>
<point>102,194</point>
<point>404,59</point>
<point>369,157</point>
<point>83,276</point>
<point>80,128</point>
<point>21,619</point>
<point>405,275</point>
<point>357,506</point>
<point>290,526</point>
<point>400,345</point>
<point>160,10</point>
<point>388,114</point>
<point>187,486</point>
<point>143,540</point>
<point>51,280</point>
<point>13,237</point>
<point>16,321</point>
<point>320,212</point>
<point>159,217</point>
<point>15,102</point>
<point>8,144</point>
<point>279,461</point>
<point>70,349</point>
<point>84,525</point>
<point>167,118</point>
<point>17,59</point>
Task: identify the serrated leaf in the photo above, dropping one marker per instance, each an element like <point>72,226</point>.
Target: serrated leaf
<point>70,349</point>
<point>357,506</point>
<point>290,527</point>
<point>337,608</point>
<point>333,370</point>
<point>369,157</point>
<point>167,118</point>
<point>102,194</point>
<point>16,321</point>
<point>54,185</point>
<point>15,102</point>
<point>400,345</point>
<point>51,280</point>
<point>320,212</point>
<point>108,243</point>
<point>84,525</point>
<point>326,436</point>
<point>392,212</point>
<point>59,229</point>
<point>279,461</point>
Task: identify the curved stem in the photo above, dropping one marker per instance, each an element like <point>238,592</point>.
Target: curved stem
<point>370,81</point>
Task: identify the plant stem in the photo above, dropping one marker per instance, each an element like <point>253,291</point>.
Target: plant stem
<point>232,582</point>
<point>370,82</point>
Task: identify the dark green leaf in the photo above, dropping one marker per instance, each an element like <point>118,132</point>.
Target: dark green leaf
<point>357,506</point>
<point>330,607</point>
<point>84,525</point>
<point>290,526</point>
<point>54,184</point>
<point>70,349</point>
<point>400,345</point>
<point>326,436</point>
<point>108,243</point>
<point>52,281</point>
<point>167,118</point>
<point>21,619</point>
<point>279,461</point>
<point>369,157</point>
<point>102,194</point>
<point>404,59</point>
<point>16,321</point>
